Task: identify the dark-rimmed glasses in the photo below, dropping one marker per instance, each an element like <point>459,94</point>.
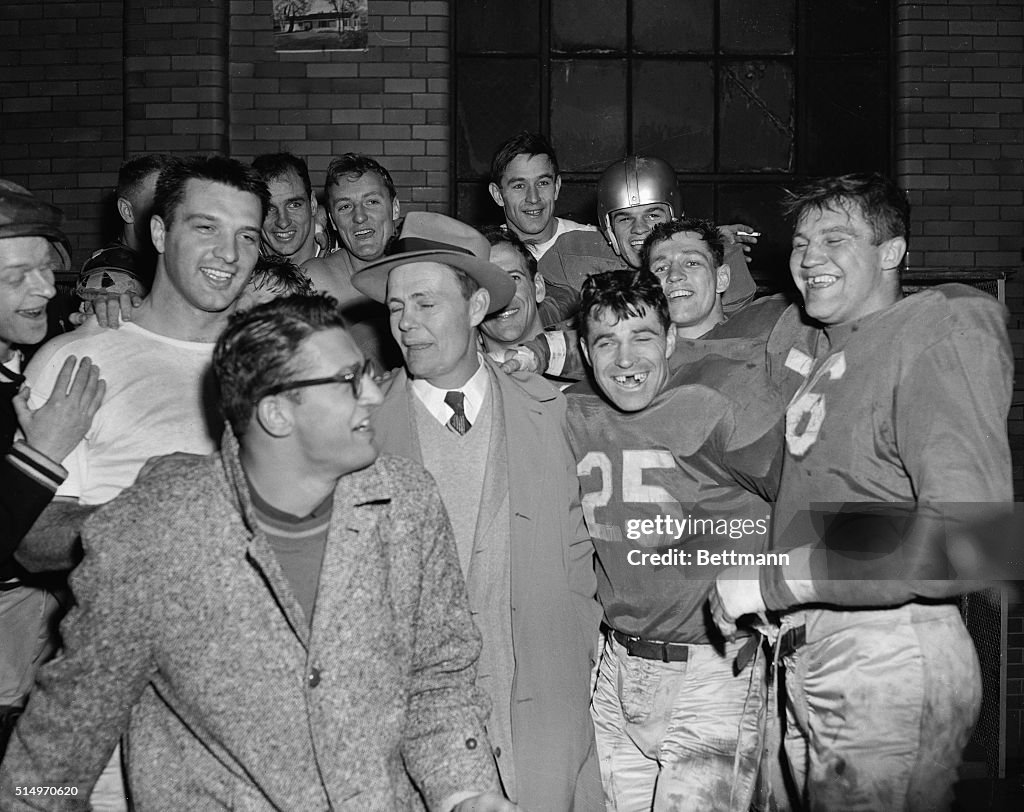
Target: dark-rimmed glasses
<point>354,377</point>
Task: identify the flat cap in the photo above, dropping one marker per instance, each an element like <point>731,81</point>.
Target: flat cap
<point>22,214</point>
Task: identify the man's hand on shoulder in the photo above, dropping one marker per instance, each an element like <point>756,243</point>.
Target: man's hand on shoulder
<point>521,359</point>
<point>110,311</point>
<point>487,802</point>
<point>56,427</point>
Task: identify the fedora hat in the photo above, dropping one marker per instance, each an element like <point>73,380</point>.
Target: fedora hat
<point>430,237</point>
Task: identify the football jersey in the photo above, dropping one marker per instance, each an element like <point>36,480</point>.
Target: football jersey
<point>675,492</point>
<point>902,409</point>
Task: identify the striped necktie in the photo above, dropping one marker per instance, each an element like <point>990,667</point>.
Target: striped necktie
<point>458,423</point>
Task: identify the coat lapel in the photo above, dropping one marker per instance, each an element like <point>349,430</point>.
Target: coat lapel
<point>393,425</point>
<point>351,543</point>
<point>496,471</point>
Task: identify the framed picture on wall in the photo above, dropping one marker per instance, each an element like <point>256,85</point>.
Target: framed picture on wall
<point>320,25</point>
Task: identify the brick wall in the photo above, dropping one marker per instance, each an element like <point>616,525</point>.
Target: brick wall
<point>176,76</point>
<point>84,85</point>
<point>960,148</point>
<point>960,153</point>
<point>390,101</point>
<point>61,87</point>
<point>960,132</point>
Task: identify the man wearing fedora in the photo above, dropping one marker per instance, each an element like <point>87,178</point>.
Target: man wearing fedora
<point>32,248</point>
<point>497,447</point>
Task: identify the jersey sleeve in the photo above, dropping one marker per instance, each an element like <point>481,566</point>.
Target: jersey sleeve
<point>560,304</point>
<point>752,451</point>
<point>742,287</point>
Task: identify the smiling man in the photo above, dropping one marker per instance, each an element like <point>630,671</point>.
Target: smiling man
<point>496,446</point>
<point>525,182</point>
<point>520,320</point>
<point>206,224</point>
<point>363,205</point>
<point>300,545</point>
<point>33,247</point>
<point>688,257</point>
<point>289,227</point>
<point>633,196</point>
<point>898,422</point>
<point>671,466</point>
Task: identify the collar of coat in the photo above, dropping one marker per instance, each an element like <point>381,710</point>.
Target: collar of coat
<point>367,486</point>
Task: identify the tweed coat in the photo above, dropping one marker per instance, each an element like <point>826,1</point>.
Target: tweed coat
<point>555,615</point>
<point>185,622</point>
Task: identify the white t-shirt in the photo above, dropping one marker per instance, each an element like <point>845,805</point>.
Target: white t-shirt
<point>160,399</point>
<point>562,226</point>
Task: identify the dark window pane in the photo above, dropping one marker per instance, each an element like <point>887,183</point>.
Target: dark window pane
<point>674,113</point>
<point>698,199</point>
<point>496,99</point>
<point>757,26</point>
<point>498,26</point>
<point>756,116</point>
<point>578,200</point>
<point>849,27</point>
<point>759,205</point>
<point>667,27</point>
<point>474,205</point>
<point>847,117</point>
<point>581,25</point>
<point>588,118</point>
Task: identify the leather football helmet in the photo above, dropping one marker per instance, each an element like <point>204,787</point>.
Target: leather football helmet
<point>636,181</point>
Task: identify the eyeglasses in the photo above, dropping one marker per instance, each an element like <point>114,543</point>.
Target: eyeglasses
<point>355,377</point>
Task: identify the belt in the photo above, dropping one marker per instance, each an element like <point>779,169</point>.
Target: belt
<point>790,640</point>
<point>652,649</point>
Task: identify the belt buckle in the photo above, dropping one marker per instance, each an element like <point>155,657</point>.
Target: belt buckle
<point>633,645</point>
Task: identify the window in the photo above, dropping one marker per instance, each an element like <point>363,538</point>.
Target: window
<point>740,96</point>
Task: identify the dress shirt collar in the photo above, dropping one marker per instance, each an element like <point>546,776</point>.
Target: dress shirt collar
<point>475,390</point>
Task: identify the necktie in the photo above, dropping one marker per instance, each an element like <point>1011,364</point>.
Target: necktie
<point>458,423</point>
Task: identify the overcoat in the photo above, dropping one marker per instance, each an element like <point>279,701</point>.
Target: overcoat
<point>186,624</point>
<point>555,615</point>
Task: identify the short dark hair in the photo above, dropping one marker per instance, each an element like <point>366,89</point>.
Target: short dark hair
<point>137,169</point>
<point>880,201</point>
<point>170,188</point>
<point>525,143</point>
<point>280,274</point>
<point>624,294</point>
<point>352,166</point>
<point>706,230</point>
<point>272,166</point>
<point>260,349</point>
<point>497,235</point>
